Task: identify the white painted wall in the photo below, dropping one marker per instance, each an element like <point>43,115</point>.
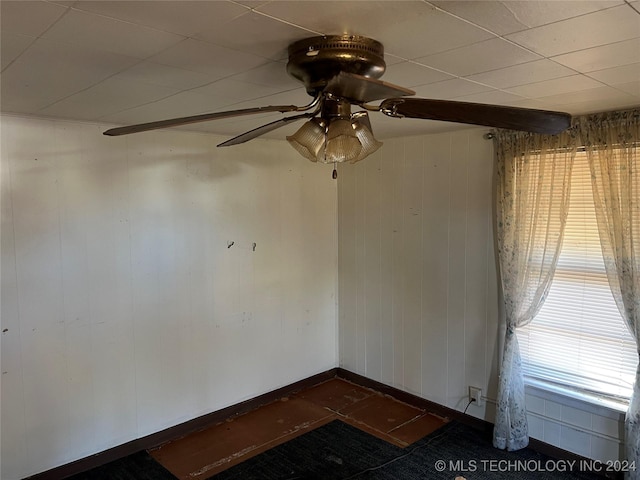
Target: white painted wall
<point>418,299</point>
<point>123,310</point>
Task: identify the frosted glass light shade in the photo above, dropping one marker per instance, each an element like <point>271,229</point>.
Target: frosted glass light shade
<point>342,143</point>
<point>309,139</point>
<point>366,139</point>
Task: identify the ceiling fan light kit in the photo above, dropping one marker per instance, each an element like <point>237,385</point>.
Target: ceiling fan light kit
<point>335,142</point>
<point>338,136</point>
<point>340,71</point>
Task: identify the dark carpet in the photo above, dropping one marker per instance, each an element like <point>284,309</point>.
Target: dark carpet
<point>139,466</point>
<point>340,451</point>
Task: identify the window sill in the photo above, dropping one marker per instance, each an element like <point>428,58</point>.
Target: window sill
<point>602,406</point>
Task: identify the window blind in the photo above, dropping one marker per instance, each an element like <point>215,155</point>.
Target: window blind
<point>578,338</point>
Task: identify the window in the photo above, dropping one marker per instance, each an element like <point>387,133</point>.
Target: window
<point>578,339</point>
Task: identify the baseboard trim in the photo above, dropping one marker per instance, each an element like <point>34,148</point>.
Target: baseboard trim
<point>177,431</point>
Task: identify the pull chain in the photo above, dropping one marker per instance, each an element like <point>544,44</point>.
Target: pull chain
<point>334,175</point>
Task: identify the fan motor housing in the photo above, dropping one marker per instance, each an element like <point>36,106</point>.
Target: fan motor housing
<point>314,61</point>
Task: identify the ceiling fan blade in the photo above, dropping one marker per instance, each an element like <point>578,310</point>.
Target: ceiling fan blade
<point>256,132</point>
<point>514,118</point>
<point>174,122</point>
<point>363,89</point>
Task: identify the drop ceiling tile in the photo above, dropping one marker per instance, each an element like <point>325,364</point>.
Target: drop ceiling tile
<point>584,108</point>
<point>28,18</point>
<point>49,71</point>
<point>479,57</point>
<point>164,75</point>
<point>18,96</point>
<point>494,97</point>
<point>632,88</point>
<point>253,3</point>
<point>618,75</point>
<point>180,105</point>
<point>197,56</point>
<point>556,86</point>
<point>600,58</point>
<point>432,30</point>
<point>271,74</point>
<point>335,17</point>
<point>82,57</point>
<point>536,71</point>
<point>236,90</point>
<point>596,96</point>
<point>109,35</point>
<point>450,89</point>
<point>297,96</point>
<point>386,128</point>
<point>492,15</point>
<point>509,17</point>
<point>186,18</point>
<point>591,30</point>
<point>531,103</point>
<point>391,59</point>
<point>108,97</point>
<point>12,46</point>
<point>411,74</point>
<point>535,14</point>
<point>257,34</point>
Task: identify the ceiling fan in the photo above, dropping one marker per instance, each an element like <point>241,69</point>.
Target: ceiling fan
<point>341,71</point>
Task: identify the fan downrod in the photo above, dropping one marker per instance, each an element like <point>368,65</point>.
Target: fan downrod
<point>314,61</point>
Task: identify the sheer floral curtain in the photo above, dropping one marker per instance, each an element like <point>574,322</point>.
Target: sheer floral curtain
<point>611,140</point>
<point>533,182</point>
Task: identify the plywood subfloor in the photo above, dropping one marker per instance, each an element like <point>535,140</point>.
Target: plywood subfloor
<point>207,452</point>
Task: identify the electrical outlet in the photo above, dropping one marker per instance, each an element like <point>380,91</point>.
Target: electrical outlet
<point>475,394</point>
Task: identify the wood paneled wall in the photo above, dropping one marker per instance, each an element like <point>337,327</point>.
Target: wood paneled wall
<point>417,278</point>
<point>123,309</point>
